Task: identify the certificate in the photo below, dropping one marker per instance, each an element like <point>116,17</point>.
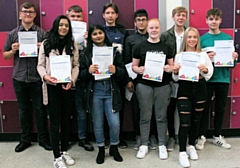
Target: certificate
<point>60,67</point>
<point>28,44</point>
<point>78,29</point>
<point>223,57</point>
<point>189,62</point>
<point>103,56</point>
<point>154,64</point>
<point>131,74</point>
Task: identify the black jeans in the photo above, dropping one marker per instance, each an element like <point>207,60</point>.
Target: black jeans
<point>221,92</point>
<point>25,92</point>
<point>191,103</point>
<point>60,107</point>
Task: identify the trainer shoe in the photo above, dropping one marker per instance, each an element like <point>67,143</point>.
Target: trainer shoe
<point>183,159</point>
<point>138,143</point>
<point>67,159</point>
<point>191,151</point>
<point>170,144</point>
<point>59,163</point>
<point>143,150</point>
<point>163,152</point>
<point>152,142</point>
<point>221,142</point>
<point>200,142</point>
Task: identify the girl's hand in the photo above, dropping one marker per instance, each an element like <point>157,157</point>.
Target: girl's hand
<point>93,68</point>
<point>176,69</point>
<point>50,79</point>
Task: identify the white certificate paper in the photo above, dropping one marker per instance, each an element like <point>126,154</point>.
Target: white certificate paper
<point>189,66</point>
<point>78,29</point>
<point>28,44</point>
<point>131,74</point>
<point>223,57</point>
<point>103,56</point>
<point>60,67</point>
<point>154,64</point>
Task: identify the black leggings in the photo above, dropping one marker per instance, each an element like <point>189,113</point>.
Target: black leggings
<point>60,107</point>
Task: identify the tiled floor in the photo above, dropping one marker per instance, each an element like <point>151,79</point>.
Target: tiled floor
<point>36,157</point>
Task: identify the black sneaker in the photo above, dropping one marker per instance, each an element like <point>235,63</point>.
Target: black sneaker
<point>85,144</point>
<point>122,144</point>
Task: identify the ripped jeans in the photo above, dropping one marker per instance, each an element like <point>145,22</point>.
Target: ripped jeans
<point>191,101</point>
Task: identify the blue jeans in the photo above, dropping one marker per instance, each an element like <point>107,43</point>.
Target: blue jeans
<point>102,102</point>
<point>81,113</point>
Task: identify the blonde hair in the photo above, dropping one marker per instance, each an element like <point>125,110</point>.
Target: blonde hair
<point>185,36</point>
<point>179,9</point>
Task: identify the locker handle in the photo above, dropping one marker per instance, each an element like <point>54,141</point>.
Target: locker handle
<point>4,117</point>
<point>90,12</point>
<point>238,11</point>
<point>43,13</point>
<point>234,113</point>
<point>237,46</point>
<point>1,84</point>
<point>235,80</point>
<point>213,113</point>
<point>192,11</point>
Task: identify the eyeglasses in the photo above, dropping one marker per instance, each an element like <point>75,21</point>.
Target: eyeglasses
<point>141,20</point>
<point>28,12</point>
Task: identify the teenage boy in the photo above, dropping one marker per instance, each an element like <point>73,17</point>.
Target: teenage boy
<point>173,37</point>
<point>116,33</point>
<point>219,82</point>
<point>26,80</point>
<point>140,22</point>
<point>75,14</point>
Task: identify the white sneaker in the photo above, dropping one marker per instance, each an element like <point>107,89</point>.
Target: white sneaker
<point>200,143</point>
<point>67,159</point>
<point>143,150</point>
<point>152,142</point>
<point>138,143</point>
<point>59,163</point>
<point>163,154</point>
<point>183,159</point>
<point>192,153</point>
<point>221,142</point>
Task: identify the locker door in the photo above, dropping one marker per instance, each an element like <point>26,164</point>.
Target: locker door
<point>235,113</point>
<point>48,15</point>
<point>6,86</point>
<point>95,8</point>
<point>197,12</point>
<point>228,12</point>
<point>8,19</point>
<point>3,62</point>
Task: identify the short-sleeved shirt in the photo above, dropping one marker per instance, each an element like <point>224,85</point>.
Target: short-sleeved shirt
<point>139,52</point>
<point>25,69</point>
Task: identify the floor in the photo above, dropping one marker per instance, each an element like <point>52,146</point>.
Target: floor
<point>35,156</point>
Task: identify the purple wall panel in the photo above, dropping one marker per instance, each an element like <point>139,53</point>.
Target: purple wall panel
<point>150,6</point>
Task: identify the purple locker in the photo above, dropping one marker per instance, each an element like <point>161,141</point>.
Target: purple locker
<point>235,113</point>
<point>9,15</point>
<point>95,11</point>
<point>227,8</point>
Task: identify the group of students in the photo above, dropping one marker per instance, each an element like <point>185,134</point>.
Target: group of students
<point>154,103</point>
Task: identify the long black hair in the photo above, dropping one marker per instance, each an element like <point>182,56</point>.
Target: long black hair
<point>89,40</point>
<point>53,38</point>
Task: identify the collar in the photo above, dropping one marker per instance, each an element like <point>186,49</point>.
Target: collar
<point>33,28</point>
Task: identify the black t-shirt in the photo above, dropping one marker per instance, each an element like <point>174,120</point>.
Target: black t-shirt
<point>139,52</point>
